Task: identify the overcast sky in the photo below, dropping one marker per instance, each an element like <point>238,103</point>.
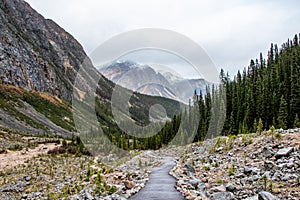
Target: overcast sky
<point>232,32</point>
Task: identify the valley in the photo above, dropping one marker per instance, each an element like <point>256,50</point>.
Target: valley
<point>74,131</point>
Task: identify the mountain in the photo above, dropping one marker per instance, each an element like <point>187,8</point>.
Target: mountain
<point>139,78</point>
<point>39,62</point>
<point>146,80</point>
<point>193,85</point>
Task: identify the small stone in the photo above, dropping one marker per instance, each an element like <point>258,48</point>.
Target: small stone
<point>239,176</point>
<point>276,176</point>
<point>24,196</point>
<point>194,182</point>
<point>187,194</point>
<point>126,196</point>
<point>27,178</point>
<point>201,186</point>
<point>268,152</point>
<point>269,165</point>
<point>247,170</point>
<point>253,178</point>
<point>129,184</point>
<point>222,196</point>
<point>291,131</point>
<point>252,198</point>
<point>204,195</point>
<point>286,177</point>
<point>204,180</point>
<point>219,149</point>
<point>220,188</point>
<point>189,168</point>
<point>230,187</point>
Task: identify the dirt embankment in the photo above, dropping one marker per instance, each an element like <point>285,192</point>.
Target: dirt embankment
<point>13,158</point>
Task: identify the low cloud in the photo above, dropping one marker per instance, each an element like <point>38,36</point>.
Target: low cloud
<point>232,32</point>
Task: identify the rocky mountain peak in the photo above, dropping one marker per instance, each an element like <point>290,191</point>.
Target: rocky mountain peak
<point>146,79</point>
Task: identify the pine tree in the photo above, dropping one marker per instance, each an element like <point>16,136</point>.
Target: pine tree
<point>296,122</point>
<point>295,90</point>
<point>260,126</point>
<point>283,113</point>
<point>254,125</point>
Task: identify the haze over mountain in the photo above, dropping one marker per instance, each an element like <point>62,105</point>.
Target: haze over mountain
<point>147,79</point>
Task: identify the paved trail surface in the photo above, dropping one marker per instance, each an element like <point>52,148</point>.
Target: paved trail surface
<point>160,185</point>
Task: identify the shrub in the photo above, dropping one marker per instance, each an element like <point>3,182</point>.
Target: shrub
<point>140,163</point>
<point>88,175</point>
<point>230,171</point>
<point>264,179</point>
<point>15,147</point>
<point>216,164</point>
<point>203,160</point>
<point>112,190</point>
<point>207,167</point>
<point>2,151</point>
<point>270,186</point>
<point>64,143</point>
<point>278,135</point>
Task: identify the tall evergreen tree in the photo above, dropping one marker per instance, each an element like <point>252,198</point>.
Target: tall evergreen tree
<point>296,122</point>
<point>283,114</point>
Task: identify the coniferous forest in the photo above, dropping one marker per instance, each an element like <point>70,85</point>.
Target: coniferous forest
<point>265,94</point>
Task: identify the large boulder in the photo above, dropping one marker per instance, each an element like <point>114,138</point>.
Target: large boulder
<point>266,196</point>
<point>284,152</point>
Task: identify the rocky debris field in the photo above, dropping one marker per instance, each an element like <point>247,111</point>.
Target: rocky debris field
<point>67,176</point>
<point>256,166</point>
<point>252,167</point>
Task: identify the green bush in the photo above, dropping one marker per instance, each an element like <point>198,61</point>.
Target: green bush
<point>207,167</point>
<point>278,135</point>
<point>112,190</point>
<point>230,171</point>
<point>216,164</point>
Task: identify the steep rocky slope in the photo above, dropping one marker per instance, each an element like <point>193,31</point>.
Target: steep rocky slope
<point>253,166</point>
<point>39,56</point>
<point>36,53</point>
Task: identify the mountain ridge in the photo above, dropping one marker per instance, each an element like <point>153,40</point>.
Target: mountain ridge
<point>143,78</point>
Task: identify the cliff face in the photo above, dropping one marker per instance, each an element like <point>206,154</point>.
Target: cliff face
<point>38,65</point>
<point>35,53</point>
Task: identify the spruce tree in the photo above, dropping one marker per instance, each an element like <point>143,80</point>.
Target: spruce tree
<point>296,122</point>
<point>260,126</point>
<point>283,114</point>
